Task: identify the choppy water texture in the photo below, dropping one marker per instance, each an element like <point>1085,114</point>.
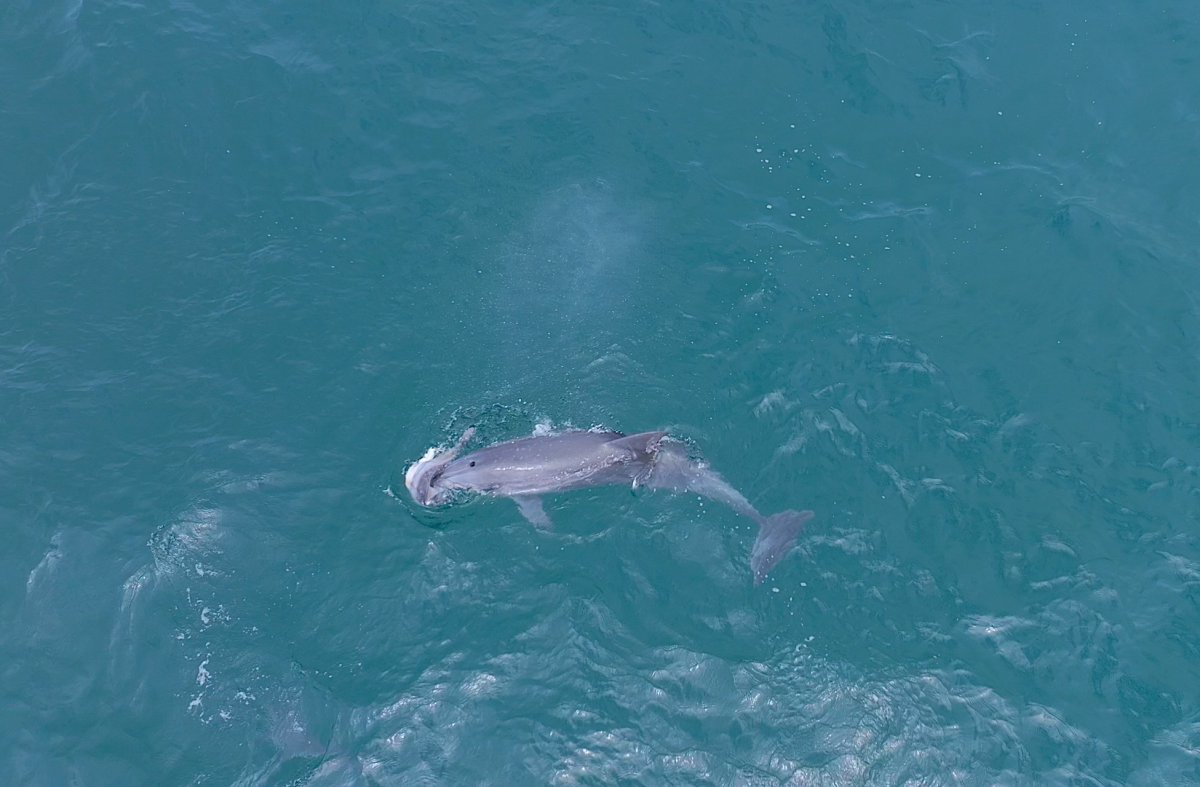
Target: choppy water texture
<point>927,268</point>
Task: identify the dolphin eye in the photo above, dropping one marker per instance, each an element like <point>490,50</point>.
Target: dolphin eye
<point>472,463</point>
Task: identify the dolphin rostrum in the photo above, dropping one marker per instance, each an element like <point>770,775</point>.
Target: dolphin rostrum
<point>528,468</point>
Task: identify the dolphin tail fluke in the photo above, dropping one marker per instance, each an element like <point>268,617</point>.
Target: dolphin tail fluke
<point>776,534</point>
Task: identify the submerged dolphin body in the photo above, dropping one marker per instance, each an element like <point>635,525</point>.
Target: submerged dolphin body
<point>526,469</point>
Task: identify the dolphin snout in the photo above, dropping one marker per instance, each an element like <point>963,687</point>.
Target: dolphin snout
<point>421,476</point>
<point>434,496</point>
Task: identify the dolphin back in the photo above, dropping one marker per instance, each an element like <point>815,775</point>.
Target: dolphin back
<point>548,463</point>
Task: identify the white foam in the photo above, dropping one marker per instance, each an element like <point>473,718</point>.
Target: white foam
<point>196,533</point>
<point>44,568</point>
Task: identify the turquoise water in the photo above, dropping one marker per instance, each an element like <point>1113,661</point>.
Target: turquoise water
<point>928,269</point>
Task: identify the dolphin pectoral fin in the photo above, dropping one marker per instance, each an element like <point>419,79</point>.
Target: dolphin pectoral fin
<point>466,438</point>
<point>642,478</point>
<point>531,509</point>
<point>776,534</point>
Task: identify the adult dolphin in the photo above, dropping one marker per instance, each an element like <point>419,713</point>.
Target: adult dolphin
<point>528,468</point>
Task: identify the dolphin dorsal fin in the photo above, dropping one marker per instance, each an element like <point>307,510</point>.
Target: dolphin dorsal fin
<point>641,443</point>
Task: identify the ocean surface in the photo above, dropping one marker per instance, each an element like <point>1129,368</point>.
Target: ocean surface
<point>929,269</point>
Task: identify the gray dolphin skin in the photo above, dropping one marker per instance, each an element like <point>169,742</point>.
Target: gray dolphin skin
<point>525,469</point>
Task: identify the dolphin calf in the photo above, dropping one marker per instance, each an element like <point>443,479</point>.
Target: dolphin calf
<point>525,469</point>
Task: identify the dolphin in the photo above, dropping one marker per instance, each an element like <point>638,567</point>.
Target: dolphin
<point>524,470</point>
